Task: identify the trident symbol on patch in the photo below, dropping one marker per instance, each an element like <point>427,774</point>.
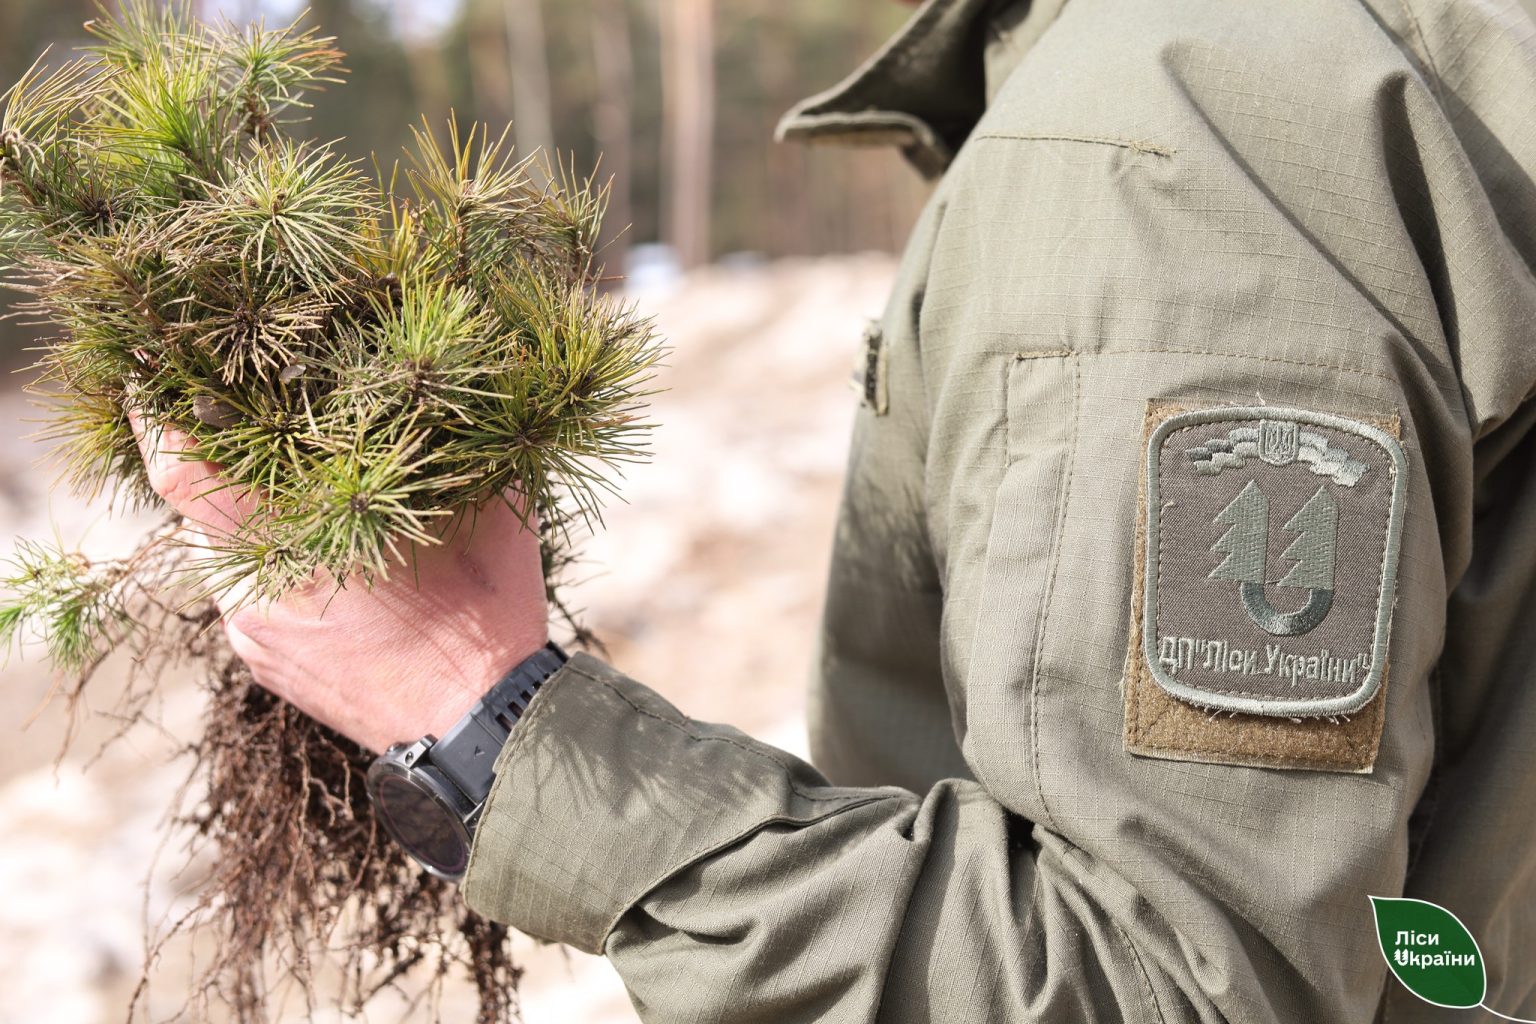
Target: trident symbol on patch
<point>1316,524</point>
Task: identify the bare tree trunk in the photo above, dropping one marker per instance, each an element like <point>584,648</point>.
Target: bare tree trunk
<point>532,121</point>
<point>789,194</point>
<point>424,64</point>
<point>489,69</point>
<point>613,123</point>
<point>688,115</point>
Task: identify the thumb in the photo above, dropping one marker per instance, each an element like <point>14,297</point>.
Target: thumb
<point>192,487</point>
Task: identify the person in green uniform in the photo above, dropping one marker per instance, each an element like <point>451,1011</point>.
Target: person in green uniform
<point>1183,584</point>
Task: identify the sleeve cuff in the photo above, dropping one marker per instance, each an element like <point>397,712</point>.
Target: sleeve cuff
<point>605,790</point>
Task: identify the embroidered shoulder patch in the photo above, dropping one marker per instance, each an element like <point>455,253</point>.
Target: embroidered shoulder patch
<point>1271,557</point>
<point>1267,562</point>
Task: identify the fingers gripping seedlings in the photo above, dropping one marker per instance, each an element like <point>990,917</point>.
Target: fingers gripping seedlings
<point>362,360</point>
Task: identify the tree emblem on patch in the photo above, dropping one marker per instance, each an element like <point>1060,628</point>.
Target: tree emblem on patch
<point>1316,526</point>
<point>1271,553</point>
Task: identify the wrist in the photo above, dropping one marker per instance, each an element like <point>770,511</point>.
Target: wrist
<point>429,793</point>
<point>447,704</point>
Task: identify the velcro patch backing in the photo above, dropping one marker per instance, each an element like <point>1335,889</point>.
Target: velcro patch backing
<point>1266,562</point>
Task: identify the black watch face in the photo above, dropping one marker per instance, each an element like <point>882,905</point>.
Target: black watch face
<point>428,830</point>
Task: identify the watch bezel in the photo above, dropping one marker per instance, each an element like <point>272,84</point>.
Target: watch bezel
<point>407,763</point>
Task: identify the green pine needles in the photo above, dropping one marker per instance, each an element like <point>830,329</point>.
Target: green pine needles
<point>370,353</point>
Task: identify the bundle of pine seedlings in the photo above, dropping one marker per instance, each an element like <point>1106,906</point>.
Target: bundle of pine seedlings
<point>372,352</point>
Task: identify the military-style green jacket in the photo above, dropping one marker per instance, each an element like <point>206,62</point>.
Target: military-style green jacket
<point>1184,592</point>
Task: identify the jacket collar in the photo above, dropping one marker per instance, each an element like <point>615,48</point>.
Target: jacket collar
<point>923,91</point>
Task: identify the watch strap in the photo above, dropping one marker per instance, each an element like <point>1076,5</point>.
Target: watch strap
<point>466,754</point>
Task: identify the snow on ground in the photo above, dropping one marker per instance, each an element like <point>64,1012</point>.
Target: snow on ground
<point>704,584</point>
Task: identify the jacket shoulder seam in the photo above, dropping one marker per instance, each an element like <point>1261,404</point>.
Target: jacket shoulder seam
<point>1135,145</point>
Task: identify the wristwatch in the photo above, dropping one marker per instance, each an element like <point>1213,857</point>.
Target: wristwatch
<point>428,794</point>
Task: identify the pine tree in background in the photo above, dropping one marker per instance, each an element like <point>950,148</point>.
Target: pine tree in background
<point>371,354</point>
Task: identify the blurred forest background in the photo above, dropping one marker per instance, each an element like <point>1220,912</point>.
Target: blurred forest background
<point>760,262</point>
<point>680,98</point>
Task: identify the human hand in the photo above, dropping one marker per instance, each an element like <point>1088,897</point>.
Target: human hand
<point>409,656</point>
